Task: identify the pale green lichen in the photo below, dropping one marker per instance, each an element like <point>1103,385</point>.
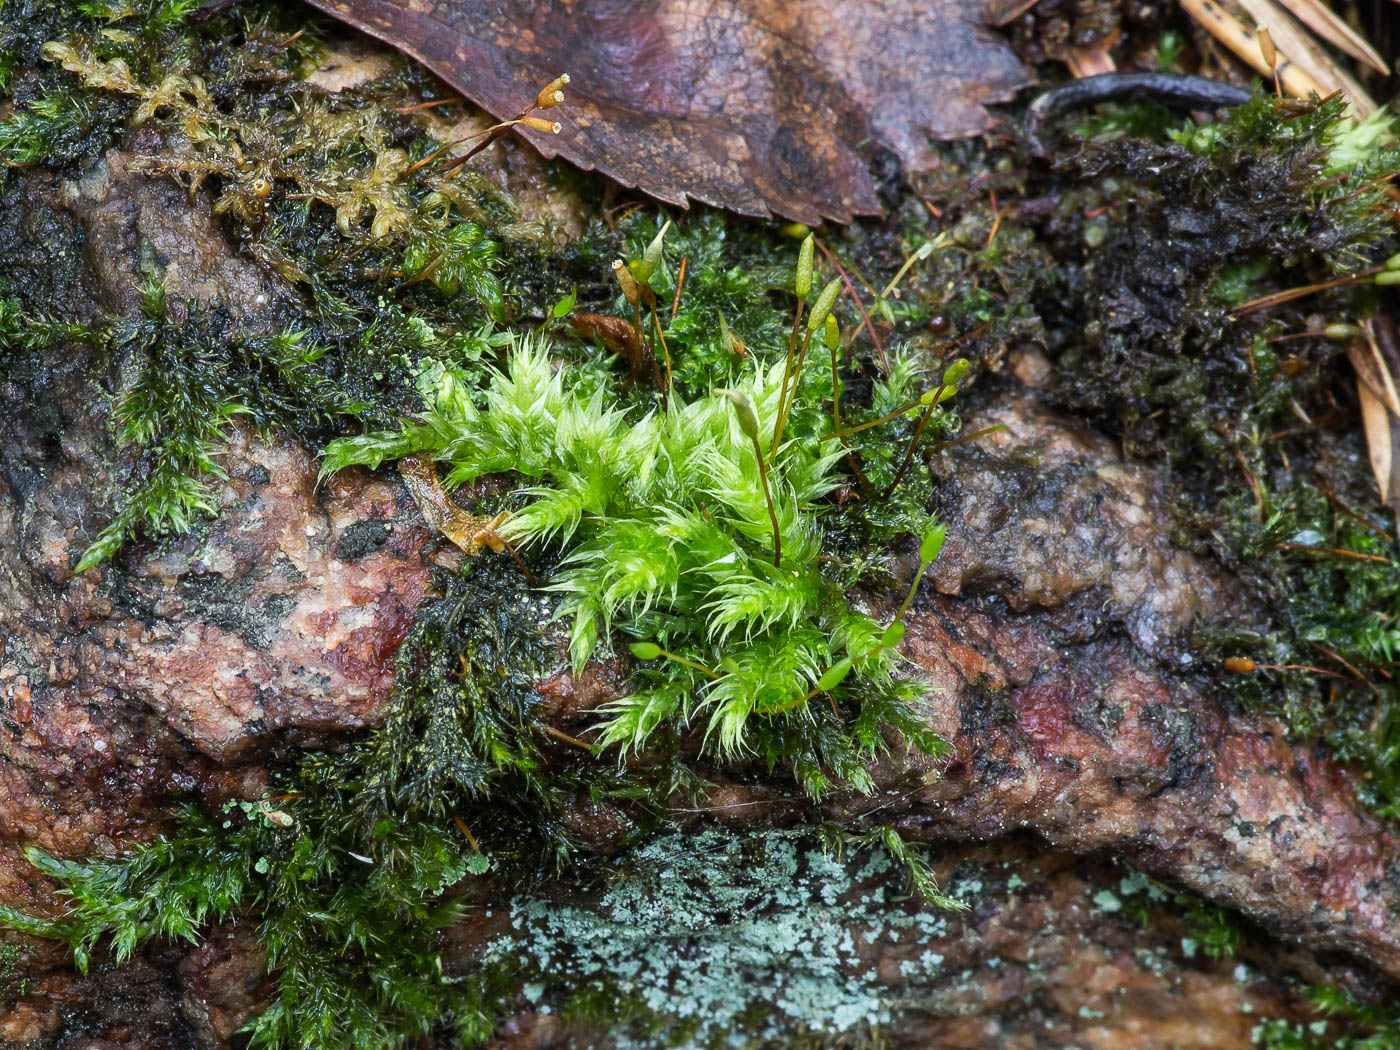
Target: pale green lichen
<point>726,940</point>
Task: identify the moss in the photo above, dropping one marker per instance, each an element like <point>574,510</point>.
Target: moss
<point>1345,1022</point>
<point>22,331</point>
<point>1201,226</point>
<point>1214,929</point>
<point>53,123</point>
<point>347,866</point>
<point>1332,622</point>
<point>418,290</point>
<point>328,202</point>
<point>192,379</point>
<point>363,856</point>
<point>361,847</point>
<point>362,538</point>
<point>1160,332</point>
<point>14,974</point>
<point>670,531</point>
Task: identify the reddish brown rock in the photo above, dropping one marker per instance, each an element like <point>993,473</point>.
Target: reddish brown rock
<point>1054,626</point>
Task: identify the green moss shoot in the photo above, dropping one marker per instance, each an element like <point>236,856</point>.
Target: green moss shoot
<point>430,332</point>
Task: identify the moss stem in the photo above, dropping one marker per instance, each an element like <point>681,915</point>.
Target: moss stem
<point>768,497</point>
<point>690,663</point>
<point>665,351</point>
<point>787,373</point>
<point>913,444</point>
<point>864,316</point>
<point>839,433</point>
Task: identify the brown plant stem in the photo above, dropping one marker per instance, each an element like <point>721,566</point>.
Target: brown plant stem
<point>1332,550</point>
<point>680,283</point>
<point>865,317</point>
<point>665,351</point>
<point>1265,301</point>
<point>787,373</point>
<point>913,444</point>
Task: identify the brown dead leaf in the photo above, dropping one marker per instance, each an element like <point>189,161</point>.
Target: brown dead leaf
<point>759,106</point>
<point>1380,428</point>
<point>615,333</point>
<point>1380,405</point>
<point>470,532</point>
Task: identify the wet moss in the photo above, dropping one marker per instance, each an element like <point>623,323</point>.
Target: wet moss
<point>1160,349</point>
<point>400,275</point>
<point>317,188</point>
<point>347,865</point>
<point>1157,260</point>
<point>1212,929</point>
<point>14,972</point>
<point>362,538</point>
<point>380,845</point>
<point>1344,1022</point>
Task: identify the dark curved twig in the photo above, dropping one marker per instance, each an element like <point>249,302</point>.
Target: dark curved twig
<point>1175,90</point>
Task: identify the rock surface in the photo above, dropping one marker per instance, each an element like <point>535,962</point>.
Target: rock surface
<point>1053,626</point>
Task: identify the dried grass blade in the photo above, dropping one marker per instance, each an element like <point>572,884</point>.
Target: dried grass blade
<point>1325,22</point>
<point>1305,52</point>
<point>1380,429</point>
<point>1244,42</point>
<point>1374,375</point>
<point>1090,61</point>
<point>1380,411</point>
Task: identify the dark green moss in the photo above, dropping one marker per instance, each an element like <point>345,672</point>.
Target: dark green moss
<point>56,122</point>
<point>362,856</point>
<point>24,331</point>
<point>237,80</point>
<point>360,847</point>
<point>1154,251</point>
<point>1344,1022</point>
<point>1332,616</point>
<point>1216,930</point>
<point>192,378</point>
<point>362,539</point>
<point>347,865</point>
<point>1238,209</point>
<point>14,974</point>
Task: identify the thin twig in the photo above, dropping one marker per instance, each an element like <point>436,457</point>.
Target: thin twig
<point>873,423</point>
<point>787,374</point>
<point>665,350</point>
<point>1333,550</point>
<point>996,219</point>
<point>1347,664</point>
<point>865,317</point>
<point>561,735</point>
<point>680,283</point>
<point>1297,293</point>
<point>520,562</point>
<point>1361,189</point>
<point>1331,498</point>
<point>948,344</point>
